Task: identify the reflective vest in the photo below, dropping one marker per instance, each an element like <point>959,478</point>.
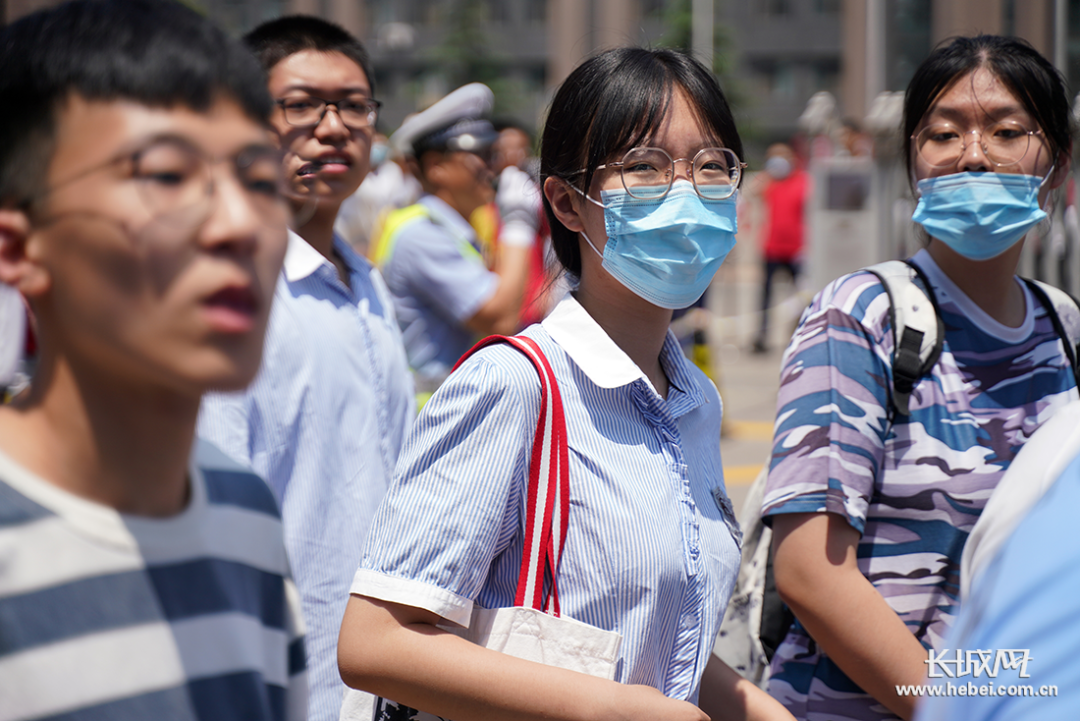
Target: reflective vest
<point>382,250</point>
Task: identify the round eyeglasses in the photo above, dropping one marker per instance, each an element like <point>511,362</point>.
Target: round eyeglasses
<point>308,111</point>
<point>647,173</point>
<point>941,145</point>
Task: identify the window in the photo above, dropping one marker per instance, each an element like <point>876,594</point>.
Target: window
<point>1008,17</point>
<point>782,81</point>
<point>653,8</point>
<point>907,40</point>
<point>498,11</point>
<point>422,12</point>
<point>826,76</point>
<point>536,11</point>
<point>776,7</point>
<point>1072,44</point>
<point>384,11</point>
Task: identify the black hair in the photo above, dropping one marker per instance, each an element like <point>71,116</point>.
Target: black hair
<point>275,40</point>
<point>1038,86</point>
<point>154,52</point>
<point>613,102</point>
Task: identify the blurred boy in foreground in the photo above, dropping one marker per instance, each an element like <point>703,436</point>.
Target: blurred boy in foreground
<point>142,574</point>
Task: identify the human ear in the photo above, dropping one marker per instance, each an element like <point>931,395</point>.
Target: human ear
<point>18,267</point>
<point>565,203</point>
<point>434,168</point>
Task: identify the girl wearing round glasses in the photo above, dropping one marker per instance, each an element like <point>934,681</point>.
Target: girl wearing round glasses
<point>640,159</point>
<point>870,508</point>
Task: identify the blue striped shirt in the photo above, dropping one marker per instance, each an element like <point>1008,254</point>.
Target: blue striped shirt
<point>187,618</point>
<point>323,423</point>
<point>650,551</point>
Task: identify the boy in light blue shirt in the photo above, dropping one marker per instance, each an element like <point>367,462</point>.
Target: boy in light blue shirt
<point>327,414</point>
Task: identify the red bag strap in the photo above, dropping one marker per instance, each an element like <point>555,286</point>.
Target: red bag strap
<point>549,484</point>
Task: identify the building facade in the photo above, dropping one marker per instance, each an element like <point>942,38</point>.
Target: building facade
<point>774,54</point>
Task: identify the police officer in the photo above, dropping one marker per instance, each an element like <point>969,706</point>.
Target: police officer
<point>444,294</point>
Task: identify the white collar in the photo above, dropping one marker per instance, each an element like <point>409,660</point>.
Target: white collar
<point>589,346</point>
<point>301,260</point>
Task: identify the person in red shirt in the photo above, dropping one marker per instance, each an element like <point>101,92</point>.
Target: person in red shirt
<point>783,186</point>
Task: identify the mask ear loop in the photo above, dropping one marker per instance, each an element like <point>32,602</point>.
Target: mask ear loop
<point>594,202</point>
<point>597,203</point>
<point>582,232</point>
<point>1045,180</point>
<point>1047,205</point>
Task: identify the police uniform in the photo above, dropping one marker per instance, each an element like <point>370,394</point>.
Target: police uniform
<point>428,252</point>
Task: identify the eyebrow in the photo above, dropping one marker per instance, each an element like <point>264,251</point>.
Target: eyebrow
<point>312,90</point>
<point>180,139</point>
<point>261,148</point>
<point>958,114</point>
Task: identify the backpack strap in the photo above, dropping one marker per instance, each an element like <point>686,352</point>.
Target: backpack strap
<point>1064,312</point>
<point>547,514</point>
<point>918,333</point>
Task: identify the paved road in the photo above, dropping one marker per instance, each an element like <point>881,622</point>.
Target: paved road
<point>747,381</point>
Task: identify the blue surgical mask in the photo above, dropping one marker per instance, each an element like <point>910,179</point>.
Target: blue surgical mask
<point>379,153</point>
<point>666,250</point>
<point>979,215</point>
<point>778,167</point>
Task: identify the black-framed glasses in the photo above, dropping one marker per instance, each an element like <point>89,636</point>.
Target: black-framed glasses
<point>941,145</point>
<point>308,111</point>
<point>175,180</point>
<point>647,173</point>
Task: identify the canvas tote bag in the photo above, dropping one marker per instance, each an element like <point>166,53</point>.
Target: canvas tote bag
<point>533,628</point>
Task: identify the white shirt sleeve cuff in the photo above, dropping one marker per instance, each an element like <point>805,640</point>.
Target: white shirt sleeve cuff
<point>409,592</point>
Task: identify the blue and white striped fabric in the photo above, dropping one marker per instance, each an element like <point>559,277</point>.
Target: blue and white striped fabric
<point>650,553</point>
<point>188,618</point>
<point>323,423</point>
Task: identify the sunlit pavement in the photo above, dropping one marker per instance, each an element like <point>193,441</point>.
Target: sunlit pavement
<point>747,381</point>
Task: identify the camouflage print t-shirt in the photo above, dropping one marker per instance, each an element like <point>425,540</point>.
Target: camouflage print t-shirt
<point>912,486</point>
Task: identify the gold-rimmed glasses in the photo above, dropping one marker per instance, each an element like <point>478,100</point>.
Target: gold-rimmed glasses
<point>647,173</point>
<point>941,145</point>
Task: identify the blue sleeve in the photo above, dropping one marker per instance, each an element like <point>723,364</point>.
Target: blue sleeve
<point>223,420</point>
<point>832,407</point>
<point>1026,601</point>
<point>450,278</point>
<point>460,484</point>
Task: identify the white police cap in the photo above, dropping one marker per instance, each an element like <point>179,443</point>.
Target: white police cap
<point>457,122</point>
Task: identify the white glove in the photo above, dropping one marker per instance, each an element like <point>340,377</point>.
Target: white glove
<point>518,200</point>
<point>12,332</point>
